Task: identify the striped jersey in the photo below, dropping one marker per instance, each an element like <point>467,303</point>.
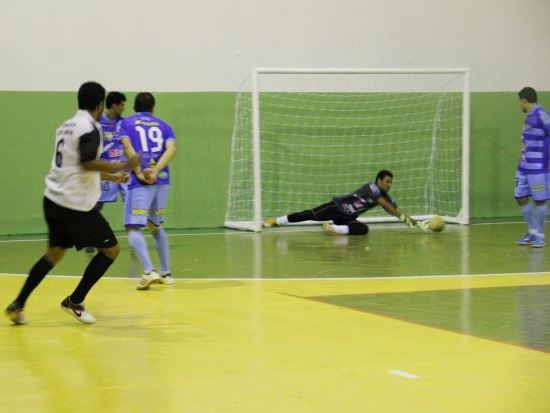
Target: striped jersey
<point>112,148</point>
<point>535,140</point>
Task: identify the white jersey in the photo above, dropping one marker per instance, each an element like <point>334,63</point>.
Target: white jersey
<point>68,184</point>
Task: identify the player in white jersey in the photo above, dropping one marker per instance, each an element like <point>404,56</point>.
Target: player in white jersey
<point>72,190</point>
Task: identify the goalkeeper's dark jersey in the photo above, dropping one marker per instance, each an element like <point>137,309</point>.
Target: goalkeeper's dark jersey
<point>362,200</point>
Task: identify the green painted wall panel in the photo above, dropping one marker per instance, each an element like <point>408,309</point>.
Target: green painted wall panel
<point>203,124</point>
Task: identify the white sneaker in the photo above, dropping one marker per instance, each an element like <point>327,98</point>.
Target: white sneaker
<point>78,311</point>
<point>167,279</point>
<point>329,228</point>
<point>147,279</point>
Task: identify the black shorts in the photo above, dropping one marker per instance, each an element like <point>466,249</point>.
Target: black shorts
<point>69,227</point>
<point>330,212</point>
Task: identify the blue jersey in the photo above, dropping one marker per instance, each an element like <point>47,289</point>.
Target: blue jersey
<point>535,141</point>
<point>112,148</point>
<point>148,135</point>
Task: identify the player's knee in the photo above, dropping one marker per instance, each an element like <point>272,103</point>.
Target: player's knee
<point>522,201</point>
<point>152,227</point>
<point>55,254</point>
<point>111,252</point>
<point>358,228</point>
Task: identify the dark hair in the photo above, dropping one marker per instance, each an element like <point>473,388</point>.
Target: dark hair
<point>90,95</point>
<point>529,94</point>
<point>145,102</point>
<point>114,98</point>
<point>382,174</point>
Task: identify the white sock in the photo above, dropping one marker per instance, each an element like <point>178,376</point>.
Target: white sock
<point>282,220</point>
<point>341,229</point>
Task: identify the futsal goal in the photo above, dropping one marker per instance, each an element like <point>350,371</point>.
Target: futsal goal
<point>303,136</point>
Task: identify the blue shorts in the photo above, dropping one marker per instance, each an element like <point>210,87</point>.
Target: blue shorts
<point>532,185</point>
<point>110,191</point>
<point>146,203</point>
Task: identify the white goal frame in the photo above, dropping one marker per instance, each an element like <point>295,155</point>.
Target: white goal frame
<point>256,225</point>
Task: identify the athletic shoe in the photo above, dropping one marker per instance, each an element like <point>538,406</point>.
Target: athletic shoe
<point>526,239</point>
<point>147,279</point>
<point>538,242</point>
<point>15,313</point>
<point>329,228</point>
<point>270,222</point>
<point>78,311</point>
<point>166,279</point>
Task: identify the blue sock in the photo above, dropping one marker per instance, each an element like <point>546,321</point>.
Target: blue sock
<point>161,244</point>
<point>527,211</point>
<point>542,210</point>
<point>138,243</point>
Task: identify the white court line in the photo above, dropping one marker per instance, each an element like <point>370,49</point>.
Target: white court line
<point>287,230</point>
<point>251,278</point>
<point>403,373</point>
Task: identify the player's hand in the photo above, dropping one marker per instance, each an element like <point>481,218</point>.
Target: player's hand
<point>147,175</point>
<point>407,220</point>
<point>425,225</point>
<point>122,177</point>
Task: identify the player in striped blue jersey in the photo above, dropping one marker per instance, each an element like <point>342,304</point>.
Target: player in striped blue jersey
<point>112,148</point>
<point>532,176</point>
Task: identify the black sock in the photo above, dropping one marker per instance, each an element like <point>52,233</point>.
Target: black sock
<point>301,216</point>
<point>93,272</point>
<point>37,273</point>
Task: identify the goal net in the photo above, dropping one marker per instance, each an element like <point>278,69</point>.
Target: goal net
<point>303,136</point>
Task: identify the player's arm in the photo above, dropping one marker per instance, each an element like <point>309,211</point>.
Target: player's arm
<point>88,146</point>
<point>116,177</point>
<point>390,209</point>
<point>129,152</point>
<point>169,152</point>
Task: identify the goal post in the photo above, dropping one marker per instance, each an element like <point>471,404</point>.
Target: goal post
<point>302,136</point>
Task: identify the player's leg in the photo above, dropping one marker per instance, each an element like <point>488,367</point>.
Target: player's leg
<point>522,195</point>
<point>539,190</point>
<point>90,228</point>
<point>346,227</point>
<point>156,218</point>
<point>323,212</point>
<point>59,241</point>
<point>137,206</point>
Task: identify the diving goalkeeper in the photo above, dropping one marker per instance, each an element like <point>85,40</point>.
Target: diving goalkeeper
<point>344,210</point>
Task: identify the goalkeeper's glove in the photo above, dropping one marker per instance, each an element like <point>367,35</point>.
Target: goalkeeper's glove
<point>425,225</point>
<point>407,220</point>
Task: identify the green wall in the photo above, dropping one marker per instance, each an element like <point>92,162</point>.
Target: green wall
<point>203,124</point>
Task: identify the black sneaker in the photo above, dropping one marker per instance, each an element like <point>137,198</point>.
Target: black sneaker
<point>77,311</point>
<point>15,313</point>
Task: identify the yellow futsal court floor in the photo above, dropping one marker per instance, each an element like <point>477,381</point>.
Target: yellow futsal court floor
<point>240,344</point>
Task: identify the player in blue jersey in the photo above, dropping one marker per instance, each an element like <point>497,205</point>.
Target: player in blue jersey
<point>532,176</point>
<point>344,210</point>
<point>148,187</point>
<point>111,185</point>
<point>112,148</point>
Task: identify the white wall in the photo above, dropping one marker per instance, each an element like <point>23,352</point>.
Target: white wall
<point>183,45</point>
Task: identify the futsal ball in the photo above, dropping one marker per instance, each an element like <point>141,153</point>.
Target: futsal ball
<point>437,223</point>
